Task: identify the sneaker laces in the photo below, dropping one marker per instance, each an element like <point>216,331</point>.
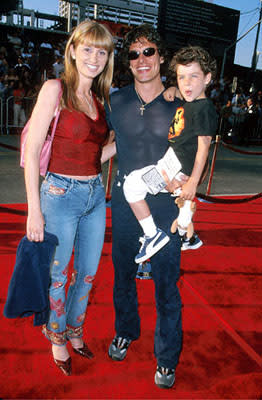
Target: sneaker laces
<point>121,342</point>
<point>165,371</point>
<point>142,240</point>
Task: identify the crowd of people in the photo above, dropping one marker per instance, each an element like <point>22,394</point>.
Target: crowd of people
<point>25,64</point>
<point>241,118</point>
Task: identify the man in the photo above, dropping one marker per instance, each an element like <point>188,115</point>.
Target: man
<point>140,119</point>
<point>250,121</point>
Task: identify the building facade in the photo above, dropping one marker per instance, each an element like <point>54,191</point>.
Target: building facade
<point>127,12</point>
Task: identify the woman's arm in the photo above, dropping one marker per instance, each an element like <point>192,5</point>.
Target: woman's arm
<point>39,124</point>
<point>109,150</point>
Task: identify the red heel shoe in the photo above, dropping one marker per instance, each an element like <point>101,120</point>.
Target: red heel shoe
<point>84,351</point>
<point>65,366</point>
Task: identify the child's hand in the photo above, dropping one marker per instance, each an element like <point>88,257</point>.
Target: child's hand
<point>174,184</point>
<point>171,93</point>
<point>189,190</point>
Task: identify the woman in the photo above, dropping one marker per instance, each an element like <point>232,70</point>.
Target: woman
<point>71,204</point>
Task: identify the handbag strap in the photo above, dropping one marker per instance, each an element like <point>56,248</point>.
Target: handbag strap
<point>58,110</point>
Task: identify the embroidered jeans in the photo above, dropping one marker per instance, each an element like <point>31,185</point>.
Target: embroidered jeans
<point>74,211</point>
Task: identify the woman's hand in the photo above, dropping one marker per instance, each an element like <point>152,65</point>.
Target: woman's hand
<point>35,227</point>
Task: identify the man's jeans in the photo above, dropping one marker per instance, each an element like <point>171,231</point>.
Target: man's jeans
<point>74,211</point>
<point>165,272</point>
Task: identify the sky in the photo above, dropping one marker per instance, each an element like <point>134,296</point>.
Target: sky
<point>249,16</point>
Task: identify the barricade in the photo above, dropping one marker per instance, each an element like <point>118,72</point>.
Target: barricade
<point>211,199</point>
<point>14,119</point>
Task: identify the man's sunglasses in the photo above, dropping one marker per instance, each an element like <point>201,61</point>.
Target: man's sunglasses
<point>148,52</point>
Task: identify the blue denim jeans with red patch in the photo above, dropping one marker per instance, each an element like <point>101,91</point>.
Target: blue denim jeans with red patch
<point>74,211</point>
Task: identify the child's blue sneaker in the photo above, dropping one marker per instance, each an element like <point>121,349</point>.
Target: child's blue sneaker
<point>191,244</point>
<point>151,245</point>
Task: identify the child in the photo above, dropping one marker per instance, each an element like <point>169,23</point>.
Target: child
<point>190,136</point>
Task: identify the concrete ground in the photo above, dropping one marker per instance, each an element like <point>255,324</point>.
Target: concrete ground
<point>234,173</point>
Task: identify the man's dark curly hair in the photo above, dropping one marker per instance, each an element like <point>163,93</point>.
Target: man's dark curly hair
<point>146,31</point>
<point>190,54</point>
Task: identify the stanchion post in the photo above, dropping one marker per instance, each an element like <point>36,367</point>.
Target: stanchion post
<point>218,137</point>
<point>109,179</point>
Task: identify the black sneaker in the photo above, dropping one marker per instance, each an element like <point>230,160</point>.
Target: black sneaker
<point>164,377</point>
<point>191,244</point>
<point>118,348</point>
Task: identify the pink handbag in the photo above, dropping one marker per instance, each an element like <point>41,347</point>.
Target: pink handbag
<point>46,149</point>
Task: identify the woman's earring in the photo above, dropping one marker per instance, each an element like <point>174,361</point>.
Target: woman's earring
<point>73,57</point>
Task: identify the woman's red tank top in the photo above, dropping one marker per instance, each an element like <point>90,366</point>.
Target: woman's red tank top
<point>78,141</point>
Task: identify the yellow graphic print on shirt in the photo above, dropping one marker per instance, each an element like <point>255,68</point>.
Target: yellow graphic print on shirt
<point>177,125</point>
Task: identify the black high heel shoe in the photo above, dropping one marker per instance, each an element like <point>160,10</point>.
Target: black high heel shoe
<point>65,366</point>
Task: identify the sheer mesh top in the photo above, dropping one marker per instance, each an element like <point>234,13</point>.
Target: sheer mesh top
<point>143,137</point>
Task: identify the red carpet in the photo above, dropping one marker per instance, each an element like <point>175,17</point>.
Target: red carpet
<point>221,288</point>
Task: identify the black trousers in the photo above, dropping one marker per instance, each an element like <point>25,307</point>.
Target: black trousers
<point>165,272</point>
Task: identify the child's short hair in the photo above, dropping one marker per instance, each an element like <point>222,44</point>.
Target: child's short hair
<point>190,54</point>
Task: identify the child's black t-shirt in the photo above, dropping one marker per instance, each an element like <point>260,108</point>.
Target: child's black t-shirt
<point>192,119</point>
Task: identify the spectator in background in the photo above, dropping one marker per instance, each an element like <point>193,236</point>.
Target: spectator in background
<point>15,40</point>
<point>259,100</point>
<point>9,88</point>
<point>26,78</point>
<point>3,87</point>
<point>226,115</point>
<point>20,66</point>
<point>215,92</point>
<point>34,66</point>
<point>32,94</point>
<point>58,67</point>
<point>19,112</point>
<point>3,51</point>
<point>11,76</point>
<point>114,86</point>
<point>57,51</point>
<point>3,64</point>
<point>250,121</point>
<point>239,97</point>
<point>238,116</point>
<point>46,55</point>
<point>30,46</point>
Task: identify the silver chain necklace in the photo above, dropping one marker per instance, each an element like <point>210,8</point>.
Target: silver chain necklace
<point>143,105</point>
<point>89,103</point>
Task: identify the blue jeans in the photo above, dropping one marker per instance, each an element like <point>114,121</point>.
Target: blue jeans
<point>74,211</point>
<point>165,273</point>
